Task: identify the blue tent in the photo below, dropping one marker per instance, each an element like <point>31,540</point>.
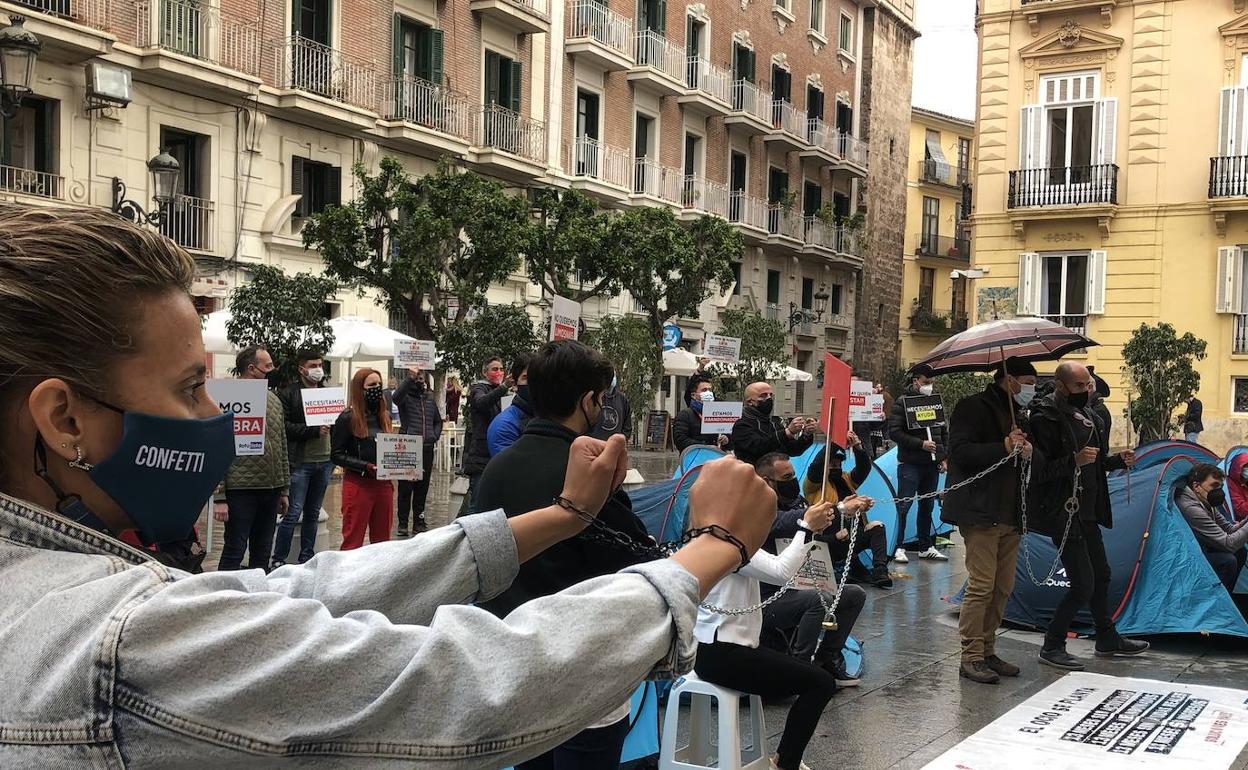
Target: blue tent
<point>1161,581</point>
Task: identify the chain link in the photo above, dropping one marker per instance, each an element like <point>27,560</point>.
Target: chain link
<point>1072,506</point>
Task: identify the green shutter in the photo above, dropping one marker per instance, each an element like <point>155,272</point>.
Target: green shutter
<point>396,32</point>
<point>491,77</point>
<point>333,186</point>
<point>660,22</point>
<point>296,18</point>
<point>516,80</point>
<point>752,63</point>
<point>296,186</point>
<point>435,56</point>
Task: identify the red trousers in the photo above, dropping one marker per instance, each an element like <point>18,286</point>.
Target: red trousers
<point>367,505</point>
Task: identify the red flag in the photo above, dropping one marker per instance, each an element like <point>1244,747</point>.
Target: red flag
<point>836,376</point>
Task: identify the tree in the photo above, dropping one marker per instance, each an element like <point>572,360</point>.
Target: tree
<point>282,313</point>
<point>447,236</point>
<point>571,252</point>
<point>764,350</point>
<point>627,342</point>
<point>499,330</point>
<point>1160,368</point>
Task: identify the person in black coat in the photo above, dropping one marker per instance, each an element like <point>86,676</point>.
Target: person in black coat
<point>687,428</point>
<point>419,416</point>
<point>759,432</point>
<point>566,384</point>
<point>484,404</point>
<point>1193,420</point>
<point>920,461</point>
<point>1070,435</point>
<point>984,430</point>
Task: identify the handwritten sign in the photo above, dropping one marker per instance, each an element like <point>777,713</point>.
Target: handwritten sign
<point>248,401</point>
<point>399,457</point>
<point>321,406</point>
<point>421,354</point>
<point>923,411</point>
<point>818,571</point>
<point>719,416</point>
<point>724,350</point>
<point>565,319</point>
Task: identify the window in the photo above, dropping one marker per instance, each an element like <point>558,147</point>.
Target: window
<point>781,84</point>
<point>1240,386</point>
<point>814,102</point>
<point>320,184</point>
<point>694,32</point>
<point>1063,287</point>
<point>845,38</point>
<point>693,163</point>
<point>736,279</point>
<point>645,179</point>
<point>28,150</point>
<point>652,16</point>
<point>736,185</point>
<point>845,118</point>
<point>927,287</point>
<point>586,148</point>
<point>310,20</point>
<point>808,293</point>
<point>773,287</point>
<point>743,64</point>
<point>812,199</point>
<point>777,192</point>
<point>503,81</point>
<point>310,68</point>
<point>834,299</point>
<point>1070,131</point>
<point>816,15</point>
<point>782,4</point>
<point>964,160</point>
<point>931,226</point>
<point>417,50</point>
<point>935,166</point>
<point>958,307</point>
<point>189,221</point>
<point>1063,291</point>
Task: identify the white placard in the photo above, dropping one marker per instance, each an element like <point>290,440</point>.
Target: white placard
<point>565,319</point>
<point>400,457</point>
<point>859,408</point>
<point>422,354</point>
<point>1111,723</point>
<point>818,571</point>
<point>321,406</point>
<point>505,402</point>
<point>724,350</point>
<point>875,402</point>
<point>248,401</point>
<point>720,416</point>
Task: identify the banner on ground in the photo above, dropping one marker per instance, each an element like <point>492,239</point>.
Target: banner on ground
<point>399,457</point>
<point>248,401</point>
<point>818,571</point>
<point>721,349</point>
<point>565,318</point>
<point>1111,723</point>
<point>321,406</point>
<point>720,416</point>
<point>421,354</point>
<point>924,411</point>
<point>834,409</point>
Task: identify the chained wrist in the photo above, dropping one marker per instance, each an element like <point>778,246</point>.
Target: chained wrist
<point>719,533</point>
<point>581,513</point>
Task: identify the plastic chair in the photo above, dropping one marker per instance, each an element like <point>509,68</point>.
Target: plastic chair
<point>727,739</point>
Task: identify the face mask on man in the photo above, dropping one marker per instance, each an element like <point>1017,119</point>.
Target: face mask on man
<point>1026,393</point>
<point>765,405</point>
<point>315,374</point>
<point>1077,400</point>
<point>926,390</point>
<point>787,490</point>
<point>522,392</point>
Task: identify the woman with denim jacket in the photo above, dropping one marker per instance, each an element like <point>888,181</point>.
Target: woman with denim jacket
<point>111,659</point>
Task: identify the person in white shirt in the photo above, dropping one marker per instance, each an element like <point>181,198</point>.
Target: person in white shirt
<point>728,651</point>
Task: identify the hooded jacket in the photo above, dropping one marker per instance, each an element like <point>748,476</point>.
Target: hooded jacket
<point>756,434</point>
<point>418,414</point>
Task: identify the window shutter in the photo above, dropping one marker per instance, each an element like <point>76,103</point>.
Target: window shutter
<point>1230,280</point>
<point>491,77</point>
<point>436,54</point>
<point>296,185</point>
<point>1231,122</point>
<point>753,65</point>
<point>296,19</point>
<point>396,34</point>
<point>660,20</point>
<point>1107,130</point>
<point>1096,282</point>
<point>1031,137</point>
<point>517,78</point>
<point>1029,283</point>
<point>333,186</point>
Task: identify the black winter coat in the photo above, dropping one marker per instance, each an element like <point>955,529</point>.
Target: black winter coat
<point>910,442</point>
<point>687,431</point>
<point>298,432</point>
<point>1059,431</point>
<point>755,435</point>
<point>977,432</point>
<point>484,404</point>
<point>418,414</point>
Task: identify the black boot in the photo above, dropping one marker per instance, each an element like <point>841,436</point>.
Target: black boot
<point>1057,657</point>
<point>1111,644</point>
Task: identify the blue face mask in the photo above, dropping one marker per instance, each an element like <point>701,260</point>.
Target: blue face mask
<point>163,471</point>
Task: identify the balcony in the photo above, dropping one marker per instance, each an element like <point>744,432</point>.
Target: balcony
<point>932,245</point>
<point>751,110</point>
<point>843,321</point>
<point>526,16</point>
<point>1228,188</point>
<point>599,35</point>
<point>189,223</point>
<point>656,184</point>
<point>784,227</point>
<point>1076,323</point>
<point>749,214</point>
<point>826,240</point>
<point>325,85</point>
<point>933,171</point>
<point>710,87</point>
<point>924,320</point>
<point>821,139</point>
<point>1033,10</point>
<point>1240,331</point>
<point>72,31</point>
<point>37,184</point>
<point>188,44</point>
<point>772,312</point>
<point>513,144</point>
<point>600,169</point>
<point>700,196</point>
<point>1063,192</point>
<point>660,65</point>
<point>427,114</point>
<point>788,126</point>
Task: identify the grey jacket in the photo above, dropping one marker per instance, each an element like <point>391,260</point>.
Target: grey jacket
<point>1212,531</point>
<point>110,659</point>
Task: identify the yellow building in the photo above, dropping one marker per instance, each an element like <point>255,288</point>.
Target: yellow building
<point>1111,179</point>
<point>938,246</point>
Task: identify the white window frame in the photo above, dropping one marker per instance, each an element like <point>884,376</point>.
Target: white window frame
<point>1031,281</point>
<point>1057,92</point>
<point>1061,87</point>
<point>840,39</point>
<point>817,18</point>
<point>1232,272</point>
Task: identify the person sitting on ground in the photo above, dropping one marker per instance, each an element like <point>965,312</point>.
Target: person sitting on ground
<point>729,654</point>
<point>509,424</point>
<point>800,614</point>
<point>759,432</point>
<point>687,428</point>
<point>1201,501</point>
<point>1237,483</point>
<point>842,485</point>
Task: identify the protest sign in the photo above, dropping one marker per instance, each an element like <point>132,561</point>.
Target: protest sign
<point>721,349</point>
<point>834,409</point>
<point>505,402</point>
<point>818,571</point>
<point>248,401</point>
<point>923,411</point>
<point>321,406</point>
<point>719,416</point>
<point>420,354</point>
<point>565,318</point>
<point>859,409</point>
<point>399,457</point>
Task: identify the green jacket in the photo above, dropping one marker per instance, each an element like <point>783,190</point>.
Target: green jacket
<point>271,469</point>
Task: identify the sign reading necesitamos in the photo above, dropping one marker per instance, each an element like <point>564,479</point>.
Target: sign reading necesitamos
<point>321,406</point>
<point>248,401</point>
<point>419,354</point>
<point>923,411</point>
<point>719,416</point>
<point>399,457</point>
<point>724,350</point>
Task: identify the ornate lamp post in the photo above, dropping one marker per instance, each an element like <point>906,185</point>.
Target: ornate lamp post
<point>165,170</point>
<point>19,49</point>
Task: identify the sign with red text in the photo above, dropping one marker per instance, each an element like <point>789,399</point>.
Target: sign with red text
<point>565,318</point>
<point>719,416</point>
<point>721,349</point>
<point>248,401</point>
<point>419,354</point>
<point>399,457</point>
<point>859,409</point>
<point>321,406</point>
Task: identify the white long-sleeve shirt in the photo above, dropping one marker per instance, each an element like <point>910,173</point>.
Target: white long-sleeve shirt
<point>741,589</point>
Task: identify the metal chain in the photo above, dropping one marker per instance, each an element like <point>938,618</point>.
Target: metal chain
<point>829,608</point>
<point>1072,510</point>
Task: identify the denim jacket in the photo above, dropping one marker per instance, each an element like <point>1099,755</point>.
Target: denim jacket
<point>109,659</point>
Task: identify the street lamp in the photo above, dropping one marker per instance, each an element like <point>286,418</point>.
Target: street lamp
<point>19,48</point>
<point>799,315</point>
<point>164,169</point>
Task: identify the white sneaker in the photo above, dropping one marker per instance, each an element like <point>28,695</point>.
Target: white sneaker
<point>900,556</point>
<point>933,554</point>
<point>774,766</point>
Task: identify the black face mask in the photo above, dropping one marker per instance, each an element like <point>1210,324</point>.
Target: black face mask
<point>419,388</point>
<point>1216,498</point>
<point>372,397</point>
<point>764,406</point>
<point>787,490</point>
<point>1077,400</point>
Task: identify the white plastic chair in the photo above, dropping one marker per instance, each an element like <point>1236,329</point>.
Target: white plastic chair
<point>701,749</point>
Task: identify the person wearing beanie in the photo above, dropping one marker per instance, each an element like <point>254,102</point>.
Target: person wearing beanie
<point>983,430</point>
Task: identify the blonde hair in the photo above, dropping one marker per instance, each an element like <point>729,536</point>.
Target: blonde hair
<point>72,283</point>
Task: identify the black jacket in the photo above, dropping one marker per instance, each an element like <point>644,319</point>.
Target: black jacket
<point>616,417</point>
<point>910,442</point>
<point>527,476</point>
<point>352,454</point>
<point>977,432</point>
<point>755,435</point>
<point>298,432</point>
<point>687,430</point>
<point>1059,431</point>
<point>418,414</point>
<point>1193,419</point>
<point>483,406</point>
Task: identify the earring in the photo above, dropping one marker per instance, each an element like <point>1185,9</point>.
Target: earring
<point>80,463</point>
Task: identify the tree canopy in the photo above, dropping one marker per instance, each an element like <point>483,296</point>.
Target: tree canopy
<point>1160,369</point>
<point>282,313</point>
<point>499,330</point>
<point>764,350</point>
<point>571,252</point>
